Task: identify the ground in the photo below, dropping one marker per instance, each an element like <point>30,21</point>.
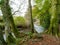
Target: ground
<point>45,39</point>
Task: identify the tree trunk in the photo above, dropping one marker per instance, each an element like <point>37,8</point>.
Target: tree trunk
<point>30,10</point>
<point>8,19</point>
<point>53,29</point>
<point>2,42</point>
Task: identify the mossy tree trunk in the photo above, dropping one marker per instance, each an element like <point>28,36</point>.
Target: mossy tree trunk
<point>8,19</point>
<point>53,29</point>
<point>2,42</point>
<point>58,10</point>
<point>30,10</point>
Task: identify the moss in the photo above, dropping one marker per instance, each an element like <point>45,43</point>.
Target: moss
<point>19,21</point>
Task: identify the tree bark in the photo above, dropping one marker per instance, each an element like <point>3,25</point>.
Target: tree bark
<point>53,29</point>
<point>30,10</point>
<point>8,19</point>
<point>2,42</point>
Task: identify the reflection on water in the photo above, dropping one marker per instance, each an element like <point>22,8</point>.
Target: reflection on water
<point>39,29</point>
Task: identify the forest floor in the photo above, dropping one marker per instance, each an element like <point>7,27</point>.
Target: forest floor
<point>44,39</point>
<point>47,40</point>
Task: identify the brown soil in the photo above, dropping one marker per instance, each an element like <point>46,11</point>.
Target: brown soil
<point>46,40</point>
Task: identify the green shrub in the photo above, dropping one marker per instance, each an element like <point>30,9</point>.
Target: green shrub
<point>45,20</point>
<point>19,21</point>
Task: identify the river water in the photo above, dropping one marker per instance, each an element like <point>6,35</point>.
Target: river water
<point>38,29</point>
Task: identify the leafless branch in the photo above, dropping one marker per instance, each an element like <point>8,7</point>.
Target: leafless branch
<point>18,8</point>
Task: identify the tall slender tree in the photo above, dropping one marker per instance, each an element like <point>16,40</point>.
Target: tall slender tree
<point>30,10</point>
